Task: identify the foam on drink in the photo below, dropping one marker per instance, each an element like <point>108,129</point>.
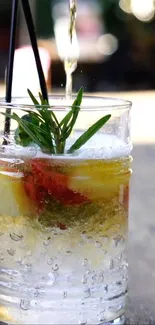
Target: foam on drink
<point>100,146</point>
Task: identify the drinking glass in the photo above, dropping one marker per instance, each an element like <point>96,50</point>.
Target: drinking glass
<point>64,220</point>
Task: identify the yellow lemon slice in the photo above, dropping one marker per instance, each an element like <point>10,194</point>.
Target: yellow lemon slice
<point>99,180</point>
<point>4,315</point>
<point>13,198</point>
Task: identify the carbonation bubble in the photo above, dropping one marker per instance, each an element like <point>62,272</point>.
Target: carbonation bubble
<point>50,261</point>
<point>55,267</point>
<point>98,244</point>
<point>24,304</point>
<point>84,279</point>
<point>16,237</point>
<point>65,294</point>
<point>85,262</point>
<point>87,292</point>
<point>1,257</point>
<point>11,251</point>
<point>47,241</point>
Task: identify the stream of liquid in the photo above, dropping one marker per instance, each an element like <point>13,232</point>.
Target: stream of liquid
<point>70,63</point>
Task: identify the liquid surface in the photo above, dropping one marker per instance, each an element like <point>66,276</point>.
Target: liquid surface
<point>100,146</point>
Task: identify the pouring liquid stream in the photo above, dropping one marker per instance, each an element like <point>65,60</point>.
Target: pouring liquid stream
<point>70,63</point>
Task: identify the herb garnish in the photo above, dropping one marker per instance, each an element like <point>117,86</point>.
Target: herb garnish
<point>43,128</point>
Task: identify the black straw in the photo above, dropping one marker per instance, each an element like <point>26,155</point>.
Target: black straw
<point>9,74</point>
<point>32,34</point>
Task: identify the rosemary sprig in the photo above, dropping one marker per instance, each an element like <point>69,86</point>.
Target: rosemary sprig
<point>41,127</point>
<point>88,134</point>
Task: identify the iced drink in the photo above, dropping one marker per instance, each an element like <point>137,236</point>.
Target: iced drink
<point>63,230</point>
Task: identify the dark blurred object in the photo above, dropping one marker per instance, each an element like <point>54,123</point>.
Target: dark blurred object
<point>123,58</point>
<point>131,67</point>
<point>5,20</point>
<point>124,52</point>
<point>44,21</point>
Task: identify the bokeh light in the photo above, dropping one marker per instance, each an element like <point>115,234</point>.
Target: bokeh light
<point>143,10</point>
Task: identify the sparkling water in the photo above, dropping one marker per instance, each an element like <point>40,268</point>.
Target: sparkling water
<point>72,274</point>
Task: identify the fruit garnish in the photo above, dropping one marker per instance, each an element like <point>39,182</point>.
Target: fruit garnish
<point>126,197</point>
<point>5,315</point>
<point>44,183</point>
<point>35,191</point>
<point>42,127</point>
<point>14,200</point>
<point>99,180</point>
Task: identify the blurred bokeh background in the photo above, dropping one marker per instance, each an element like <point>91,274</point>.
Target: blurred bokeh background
<point>116,41</point>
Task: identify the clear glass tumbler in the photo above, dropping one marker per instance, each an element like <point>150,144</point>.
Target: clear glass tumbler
<point>64,221</point>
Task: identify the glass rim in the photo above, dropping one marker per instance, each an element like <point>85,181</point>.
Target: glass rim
<point>104,103</point>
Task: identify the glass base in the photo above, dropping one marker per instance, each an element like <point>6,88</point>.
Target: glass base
<point>118,321</point>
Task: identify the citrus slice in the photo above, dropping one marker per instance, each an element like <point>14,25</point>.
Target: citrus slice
<point>4,315</point>
<point>13,198</point>
<point>99,180</point>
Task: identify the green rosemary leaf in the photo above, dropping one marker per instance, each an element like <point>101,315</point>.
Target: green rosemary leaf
<point>21,136</point>
<point>43,108</point>
<point>74,110</point>
<point>78,100</point>
<point>89,133</point>
<point>26,128</point>
<point>50,112</point>
<point>66,134</point>
<point>41,133</point>
<point>7,115</point>
<point>54,116</point>
<point>36,128</point>
<point>46,115</point>
<point>42,127</point>
<point>33,115</point>
<point>42,112</point>
<point>34,100</point>
<point>42,100</point>
<point>66,119</point>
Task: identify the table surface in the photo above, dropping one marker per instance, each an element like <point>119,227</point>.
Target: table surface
<point>141,302</point>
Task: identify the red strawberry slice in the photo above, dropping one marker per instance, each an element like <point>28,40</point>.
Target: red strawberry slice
<point>126,197</point>
<point>42,182</point>
<point>56,184</point>
<point>34,191</point>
